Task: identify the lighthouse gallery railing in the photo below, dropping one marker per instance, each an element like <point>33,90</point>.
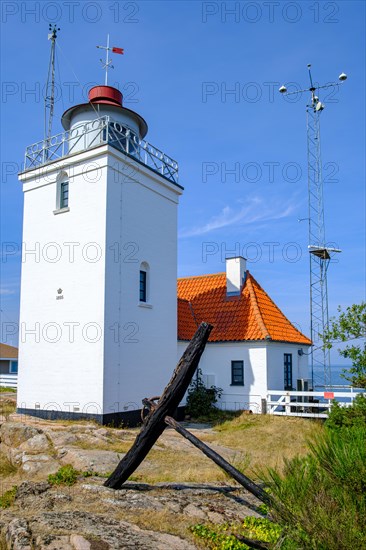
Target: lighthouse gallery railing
<point>98,132</point>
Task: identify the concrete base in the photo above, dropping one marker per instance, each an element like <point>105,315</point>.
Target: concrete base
<point>117,420</point>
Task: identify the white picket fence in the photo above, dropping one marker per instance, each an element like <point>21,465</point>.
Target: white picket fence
<point>301,403</point>
<point>8,380</point>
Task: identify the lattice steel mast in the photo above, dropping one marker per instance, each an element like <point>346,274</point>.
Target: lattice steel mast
<point>49,101</point>
<point>319,253</point>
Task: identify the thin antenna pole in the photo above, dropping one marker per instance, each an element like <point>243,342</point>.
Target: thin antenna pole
<point>107,62</point>
<point>49,102</point>
<point>311,80</point>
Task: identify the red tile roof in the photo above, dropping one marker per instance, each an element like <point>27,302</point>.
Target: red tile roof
<point>250,316</point>
<point>8,352</point>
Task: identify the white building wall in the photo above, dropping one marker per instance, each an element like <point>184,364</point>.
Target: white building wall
<point>111,351</point>
<point>142,218</point>
<point>263,370</point>
<point>216,360</point>
<point>64,353</point>
<point>275,366</point>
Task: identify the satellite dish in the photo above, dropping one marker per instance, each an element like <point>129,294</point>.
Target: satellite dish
<point>319,106</point>
<point>342,77</point>
<point>283,90</point>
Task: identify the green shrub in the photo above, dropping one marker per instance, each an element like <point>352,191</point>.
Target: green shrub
<point>320,499</point>
<point>7,499</point>
<point>345,417</point>
<point>226,536</point>
<point>201,400</point>
<point>66,475</point>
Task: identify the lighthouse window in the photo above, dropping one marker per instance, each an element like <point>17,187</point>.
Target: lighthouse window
<point>64,194</point>
<point>143,286</point>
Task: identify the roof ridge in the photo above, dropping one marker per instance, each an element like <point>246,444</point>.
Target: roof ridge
<point>201,276</point>
<point>279,309</point>
<point>257,311</point>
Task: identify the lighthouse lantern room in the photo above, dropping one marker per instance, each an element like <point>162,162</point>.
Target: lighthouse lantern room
<point>99,267</point>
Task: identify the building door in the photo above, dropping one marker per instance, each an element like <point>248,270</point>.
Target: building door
<point>287,363</point>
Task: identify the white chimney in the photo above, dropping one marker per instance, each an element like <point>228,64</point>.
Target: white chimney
<point>235,275</point>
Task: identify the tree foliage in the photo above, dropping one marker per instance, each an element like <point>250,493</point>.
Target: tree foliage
<point>350,325</point>
<point>346,417</point>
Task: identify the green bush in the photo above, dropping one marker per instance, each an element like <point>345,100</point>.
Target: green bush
<point>66,475</point>
<point>320,500</point>
<point>201,400</point>
<point>7,499</point>
<point>226,536</point>
<point>346,417</point>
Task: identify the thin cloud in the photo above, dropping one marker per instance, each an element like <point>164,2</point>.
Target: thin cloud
<point>6,291</point>
<point>253,212</point>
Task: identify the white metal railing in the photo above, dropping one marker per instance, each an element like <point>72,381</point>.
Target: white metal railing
<point>301,403</point>
<point>98,132</point>
<point>8,380</point>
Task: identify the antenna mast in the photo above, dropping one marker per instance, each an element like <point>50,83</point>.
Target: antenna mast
<point>107,64</point>
<point>49,102</point>
<point>319,253</point>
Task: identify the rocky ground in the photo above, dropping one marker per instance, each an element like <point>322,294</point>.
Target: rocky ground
<point>88,515</point>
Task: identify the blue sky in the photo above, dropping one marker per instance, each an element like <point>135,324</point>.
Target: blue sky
<point>205,76</point>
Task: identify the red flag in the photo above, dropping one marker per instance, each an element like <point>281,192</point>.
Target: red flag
<point>118,50</point>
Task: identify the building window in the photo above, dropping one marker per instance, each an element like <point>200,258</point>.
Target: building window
<point>287,363</point>
<point>64,194</point>
<point>237,373</point>
<point>13,367</point>
<point>143,286</point>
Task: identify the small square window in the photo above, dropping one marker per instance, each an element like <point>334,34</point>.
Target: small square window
<point>64,194</point>
<point>237,373</point>
<point>143,286</point>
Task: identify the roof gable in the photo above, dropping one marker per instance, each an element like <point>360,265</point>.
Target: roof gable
<point>251,316</point>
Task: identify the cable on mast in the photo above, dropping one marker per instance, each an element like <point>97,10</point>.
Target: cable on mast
<point>49,102</point>
<point>319,253</point>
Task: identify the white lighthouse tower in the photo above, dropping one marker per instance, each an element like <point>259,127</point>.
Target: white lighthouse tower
<point>98,328</point>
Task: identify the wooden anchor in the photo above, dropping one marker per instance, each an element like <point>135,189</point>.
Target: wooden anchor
<point>160,415</point>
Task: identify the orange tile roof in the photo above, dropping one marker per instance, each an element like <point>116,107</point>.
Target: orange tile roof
<point>8,352</point>
<point>250,316</point>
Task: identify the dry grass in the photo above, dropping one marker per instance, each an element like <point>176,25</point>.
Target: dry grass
<point>7,407</point>
<point>83,423</point>
<point>161,521</point>
<point>6,467</point>
<point>178,466</point>
<point>258,442</point>
<point>116,446</point>
<point>266,440</point>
